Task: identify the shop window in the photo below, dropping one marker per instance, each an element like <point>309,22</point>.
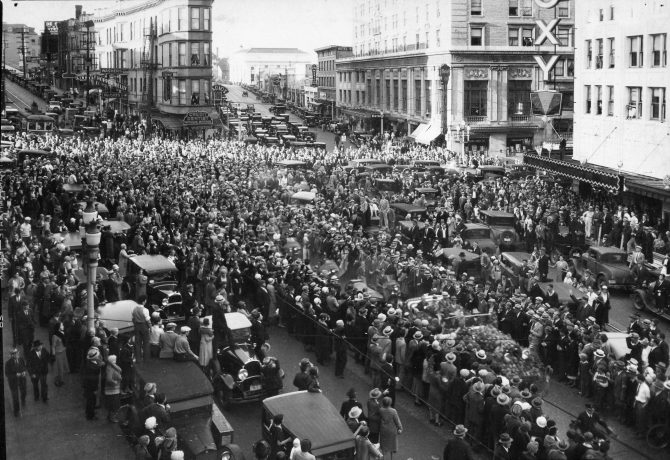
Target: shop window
<point>475,97</point>
<point>518,97</point>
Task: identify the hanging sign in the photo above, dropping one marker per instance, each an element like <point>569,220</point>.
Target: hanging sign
<point>547,33</point>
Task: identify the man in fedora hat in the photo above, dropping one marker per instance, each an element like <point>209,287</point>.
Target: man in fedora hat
<point>38,368</point>
<point>458,448</point>
<point>15,372</point>
<point>502,449</point>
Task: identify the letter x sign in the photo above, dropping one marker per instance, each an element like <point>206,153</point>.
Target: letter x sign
<point>547,32</point>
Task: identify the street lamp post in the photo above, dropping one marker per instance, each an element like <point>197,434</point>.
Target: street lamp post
<point>91,239</point>
<point>463,135</point>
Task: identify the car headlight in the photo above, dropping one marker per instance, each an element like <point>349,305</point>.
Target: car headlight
<point>243,374</point>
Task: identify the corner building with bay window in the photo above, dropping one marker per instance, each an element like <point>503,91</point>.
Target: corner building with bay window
<point>490,48</point>
<point>161,51</point>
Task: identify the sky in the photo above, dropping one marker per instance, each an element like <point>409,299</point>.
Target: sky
<point>304,24</point>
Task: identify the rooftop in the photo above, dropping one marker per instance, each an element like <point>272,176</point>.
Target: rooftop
<point>272,51</point>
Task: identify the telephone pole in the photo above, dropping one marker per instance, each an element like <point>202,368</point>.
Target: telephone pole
<point>23,51</point>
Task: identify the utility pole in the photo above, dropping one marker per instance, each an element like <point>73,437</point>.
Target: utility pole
<point>4,63</point>
<point>23,51</point>
<point>88,25</point>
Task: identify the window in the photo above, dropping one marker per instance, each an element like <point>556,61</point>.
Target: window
<point>195,92</point>
<point>205,54</point>
<point>437,10</point>
<point>601,14</point>
<point>635,56</point>
<point>563,10</point>
<point>589,54</point>
<point>195,18</point>
<point>526,8</point>
<point>476,35</point>
<point>587,89</point>
<point>518,97</point>
<point>610,101</point>
<point>657,104</point>
<point>513,7</point>
<point>634,107</point>
<point>658,50</point>
<point>181,18</point>
<point>387,94</point>
<point>395,95</point>
<point>169,46</point>
<point>417,97</point>
<point>559,68</point>
<point>195,54</point>
<point>205,18</point>
<point>599,100</point>
<point>610,46</point>
<point>475,7</point>
<point>437,38</point>
<point>599,56</point>
<point>611,13</point>
<point>513,36</point>
<point>205,87</point>
<point>182,54</point>
<point>182,92</point>
<point>475,98</point>
<point>527,36</point>
<point>563,35</point>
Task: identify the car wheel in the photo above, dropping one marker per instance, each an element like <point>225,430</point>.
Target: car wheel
<point>658,436</point>
<point>638,302</point>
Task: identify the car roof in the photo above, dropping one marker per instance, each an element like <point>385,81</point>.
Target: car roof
<point>517,256</point>
<point>118,314</point>
<point>330,434</point>
<point>496,213</point>
<point>426,190</point>
<point>408,207</point>
<point>236,320</point>
<point>303,196</point>
<point>607,250</point>
<point>153,263</point>
<point>454,252</point>
<point>180,381</point>
<point>471,226</point>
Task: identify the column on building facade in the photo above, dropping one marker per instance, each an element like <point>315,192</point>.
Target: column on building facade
<point>373,100</point>
<point>492,94</point>
<point>392,79</point>
<point>382,88</point>
<point>503,93</point>
<point>410,91</point>
<point>455,99</point>
<point>435,102</point>
<point>423,92</point>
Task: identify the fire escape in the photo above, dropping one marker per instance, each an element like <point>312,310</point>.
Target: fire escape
<point>149,65</point>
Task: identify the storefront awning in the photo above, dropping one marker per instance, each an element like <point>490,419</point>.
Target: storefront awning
<point>600,177</point>
<point>429,135</point>
<point>422,128</point>
<point>170,123</point>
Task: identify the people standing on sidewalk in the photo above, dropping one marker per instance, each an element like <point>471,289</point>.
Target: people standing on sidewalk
<point>458,448</point>
<point>91,378</point>
<point>390,427</point>
<point>38,368</point>
<point>16,372</point>
<point>373,416</point>
<point>59,352</point>
<point>112,388</point>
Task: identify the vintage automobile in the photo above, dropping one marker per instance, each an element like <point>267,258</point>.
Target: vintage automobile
<point>609,265</point>
<point>430,194</point>
<point>402,210</point>
<point>480,234</point>
<point>162,292</point>
<point>359,285</point>
<point>331,437</point>
<point>202,429</point>
<point>240,375</point>
<point>563,291</point>
<point>511,264</point>
<point>387,185</point>
<point>421,165</point>
<point>502,227</point>
<point>303,199</point>
<point>568,244</point>
<point>643,299</point>
<point>472,262</point>
<point>118,314</point>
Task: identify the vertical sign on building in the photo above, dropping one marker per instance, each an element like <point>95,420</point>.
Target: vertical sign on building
<point>546,33</point>
<point>314,75</point>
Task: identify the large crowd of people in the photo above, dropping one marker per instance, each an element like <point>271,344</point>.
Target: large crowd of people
<point>222,212</point>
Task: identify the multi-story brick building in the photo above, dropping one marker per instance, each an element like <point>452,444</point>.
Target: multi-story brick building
<point>160,51</point>
<point>490,48</point>
<point>326,75</point>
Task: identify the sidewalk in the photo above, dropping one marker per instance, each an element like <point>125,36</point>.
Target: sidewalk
<point>58,430</point>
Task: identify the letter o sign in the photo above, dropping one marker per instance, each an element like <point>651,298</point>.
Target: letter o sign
<point>546,3</point>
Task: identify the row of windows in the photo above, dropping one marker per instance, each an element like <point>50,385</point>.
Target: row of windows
<point>327,65</point>
<point>192,54</point>
<point>399,101</point>
<point>175,91</point>
<point>633,109</point>
<point>520,8</point>
<point>375,26</point>
<point>393,45</point>
<point>635,49</point>
<point>326,81</point>
<point>521,35</point>
<point>171,20</point>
